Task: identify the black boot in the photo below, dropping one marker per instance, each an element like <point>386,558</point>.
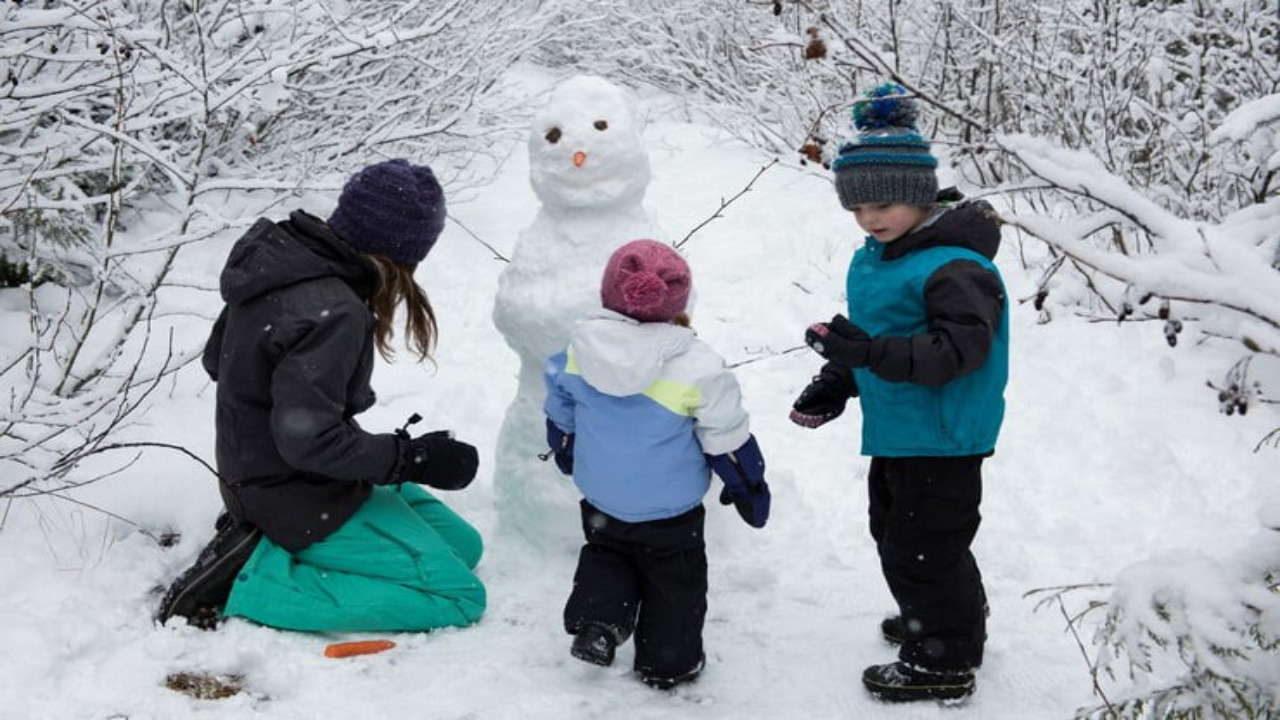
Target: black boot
<point>666,683</point>
<point>595,644</point>
<point>200,593</point>
<point>902,682</point>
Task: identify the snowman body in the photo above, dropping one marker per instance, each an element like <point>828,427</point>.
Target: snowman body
<point>589,169</point>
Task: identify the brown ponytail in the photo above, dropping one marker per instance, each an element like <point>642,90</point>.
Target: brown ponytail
<point>396,284</point>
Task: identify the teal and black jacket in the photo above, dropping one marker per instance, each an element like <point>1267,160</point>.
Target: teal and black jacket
<point>935,306</point>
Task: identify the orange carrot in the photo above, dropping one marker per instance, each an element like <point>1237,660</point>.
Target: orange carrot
<point>357,647</point>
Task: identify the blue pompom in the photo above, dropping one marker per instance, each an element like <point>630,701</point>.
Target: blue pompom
<point>886,106</point>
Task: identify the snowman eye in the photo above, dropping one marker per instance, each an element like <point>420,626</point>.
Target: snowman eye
<point>553,135</point>
<point>602,125</point>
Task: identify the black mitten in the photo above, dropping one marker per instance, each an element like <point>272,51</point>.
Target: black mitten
<point>825,397</point>
<point>561,444</point>
<point>436,460</point>
<point>840,341</point>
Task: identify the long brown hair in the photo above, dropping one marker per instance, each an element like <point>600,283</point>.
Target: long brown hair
<point>396,284</point>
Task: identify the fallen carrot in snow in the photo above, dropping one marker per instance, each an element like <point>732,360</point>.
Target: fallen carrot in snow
<point>357,647</point>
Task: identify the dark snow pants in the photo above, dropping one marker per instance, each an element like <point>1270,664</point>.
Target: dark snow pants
<point>924,516</point>
<point>649,578</point>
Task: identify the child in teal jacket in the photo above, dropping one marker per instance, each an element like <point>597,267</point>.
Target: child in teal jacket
<point>925,349</point>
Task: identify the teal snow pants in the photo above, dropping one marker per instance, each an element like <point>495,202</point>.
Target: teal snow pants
<point>403,561</point>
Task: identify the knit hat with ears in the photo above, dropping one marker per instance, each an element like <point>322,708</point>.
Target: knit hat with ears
<point>646,280</point>
<point>888,161</point>
<point>392,208</point>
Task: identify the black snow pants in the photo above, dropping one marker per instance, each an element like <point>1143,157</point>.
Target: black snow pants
<point>647,578</point>
<point>924,516</point>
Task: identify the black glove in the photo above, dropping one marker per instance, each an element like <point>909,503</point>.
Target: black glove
<point>561,444</point>
<point>743,474</point>
<point>435,460</point>
<point>825,397</point>
<point>840,341</point>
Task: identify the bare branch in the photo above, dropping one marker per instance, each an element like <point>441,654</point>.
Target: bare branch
<point>726,203</point>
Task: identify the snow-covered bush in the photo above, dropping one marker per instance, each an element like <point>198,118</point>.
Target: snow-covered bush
<point>1195,637</point>
<point>127,127</point>
<point>1217,274</point>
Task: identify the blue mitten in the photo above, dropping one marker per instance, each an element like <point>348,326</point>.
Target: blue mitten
<point>743,474</point>
<point>561,444</point>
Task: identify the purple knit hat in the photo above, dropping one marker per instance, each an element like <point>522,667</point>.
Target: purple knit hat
<point>393,209</point>
<point>646,280</point>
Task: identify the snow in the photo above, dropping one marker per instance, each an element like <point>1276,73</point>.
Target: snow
<point>1112,453</point>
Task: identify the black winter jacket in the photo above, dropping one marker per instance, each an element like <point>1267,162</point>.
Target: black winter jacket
<point>964,301</point>
<point>292,353</point>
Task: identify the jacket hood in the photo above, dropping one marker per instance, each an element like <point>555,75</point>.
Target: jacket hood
<point>972,225</point>
<point>621,356</point>
<point>274,255</point>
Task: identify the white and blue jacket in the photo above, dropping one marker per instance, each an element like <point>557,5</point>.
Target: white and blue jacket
<point>645,402</point>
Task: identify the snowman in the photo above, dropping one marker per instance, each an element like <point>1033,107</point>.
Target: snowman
<point>589,169</point>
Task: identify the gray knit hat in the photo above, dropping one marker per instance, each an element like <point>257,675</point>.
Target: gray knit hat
<point>392,208</point>
<point>888,161</point>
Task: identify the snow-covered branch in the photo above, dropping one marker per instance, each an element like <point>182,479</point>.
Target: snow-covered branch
<point>127,127</point>
<point>1219,266</point>
<point>1198,636</point>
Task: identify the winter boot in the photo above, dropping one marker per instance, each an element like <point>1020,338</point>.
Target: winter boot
<point>200,593</point>
<point>666,683</point>
<point>903,682</point>
<point>595,644</point>
<point>893,630</point>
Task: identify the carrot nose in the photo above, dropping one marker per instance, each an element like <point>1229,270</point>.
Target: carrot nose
<point>579,158</point>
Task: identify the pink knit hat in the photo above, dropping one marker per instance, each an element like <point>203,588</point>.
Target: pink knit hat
<point>646,280</point>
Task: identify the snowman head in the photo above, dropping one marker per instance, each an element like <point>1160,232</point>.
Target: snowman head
<point>585,149</point>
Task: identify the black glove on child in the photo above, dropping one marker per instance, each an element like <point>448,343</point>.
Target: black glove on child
<point>825,397</point>
<point>561,444</point>
<point>840,341</point>
<point>436,460</point>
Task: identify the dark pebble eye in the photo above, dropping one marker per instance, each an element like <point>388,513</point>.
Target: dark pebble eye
<point>553,135</point>
<point>602,125</point>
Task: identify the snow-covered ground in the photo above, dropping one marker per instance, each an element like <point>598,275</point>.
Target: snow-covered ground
<point>1112,452</point>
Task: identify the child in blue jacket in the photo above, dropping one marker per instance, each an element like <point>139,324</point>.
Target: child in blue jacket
<point>640,412</point>
<point>925,349</point>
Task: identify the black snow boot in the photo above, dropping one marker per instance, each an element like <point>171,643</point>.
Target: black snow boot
<point>595,644</point>
<point>903,682</point>
<point>666,683</point>
<point>200,593</point>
